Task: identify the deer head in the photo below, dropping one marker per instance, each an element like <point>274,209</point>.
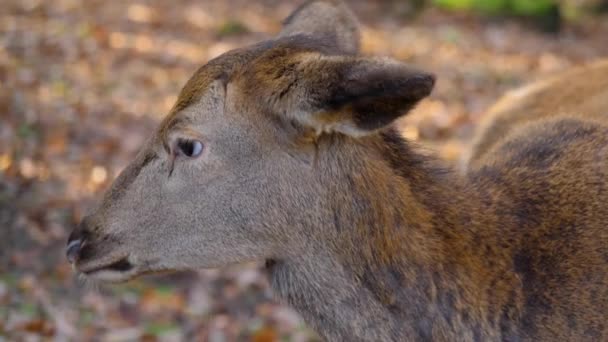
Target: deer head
<point>242,168</point>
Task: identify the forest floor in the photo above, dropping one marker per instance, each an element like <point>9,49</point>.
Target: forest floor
<point>82,83</point>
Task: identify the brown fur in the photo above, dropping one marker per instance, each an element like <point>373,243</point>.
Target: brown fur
<point>365,237</point>
<point>579,93</point>
<point>328,20</point>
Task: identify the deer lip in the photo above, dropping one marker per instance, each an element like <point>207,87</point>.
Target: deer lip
<point>121,265</point>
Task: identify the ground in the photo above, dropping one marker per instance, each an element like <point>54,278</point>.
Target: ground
<point>82,83</point>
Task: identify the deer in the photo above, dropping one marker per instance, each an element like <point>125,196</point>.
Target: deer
<point>285,153</point>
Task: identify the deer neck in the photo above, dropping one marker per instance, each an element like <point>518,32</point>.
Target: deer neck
<point>403,259</point>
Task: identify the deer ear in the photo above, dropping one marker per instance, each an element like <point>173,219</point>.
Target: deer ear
<point>355,96</point>
<point>330,21</point>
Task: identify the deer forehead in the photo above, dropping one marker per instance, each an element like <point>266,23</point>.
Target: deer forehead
<point>260,70</point>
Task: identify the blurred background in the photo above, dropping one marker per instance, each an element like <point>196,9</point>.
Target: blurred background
<point>82,83</point>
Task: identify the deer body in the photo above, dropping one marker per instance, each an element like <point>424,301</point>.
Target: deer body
<point>577,94</point>
<point>431,255</point>
<point>283,152</point>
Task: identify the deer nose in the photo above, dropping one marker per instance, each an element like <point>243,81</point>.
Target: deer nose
<point>73,250</point>
<point>75,244</point>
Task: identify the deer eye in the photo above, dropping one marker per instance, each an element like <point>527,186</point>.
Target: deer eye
<point>189,148</point>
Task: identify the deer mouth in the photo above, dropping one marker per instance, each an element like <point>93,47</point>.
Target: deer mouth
<point>122,265</point>
<point>116,271</point>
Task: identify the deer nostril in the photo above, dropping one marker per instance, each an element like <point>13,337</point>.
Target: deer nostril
<point>77,241</point>
<point>73,250</point>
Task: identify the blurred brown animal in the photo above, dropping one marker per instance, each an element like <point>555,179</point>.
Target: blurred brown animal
<point>283,151</point>
<point>581,93</point>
